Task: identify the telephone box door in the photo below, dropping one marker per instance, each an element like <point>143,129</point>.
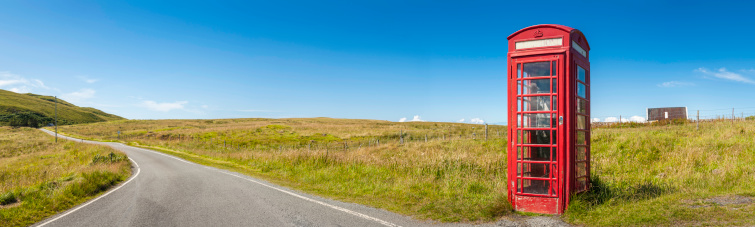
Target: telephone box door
<point>539,117</point>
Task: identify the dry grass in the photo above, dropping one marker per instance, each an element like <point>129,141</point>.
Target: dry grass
<point>643,174</point>
<point>42,178</point>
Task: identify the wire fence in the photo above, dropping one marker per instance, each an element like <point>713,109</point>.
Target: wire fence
<point>733,114</point>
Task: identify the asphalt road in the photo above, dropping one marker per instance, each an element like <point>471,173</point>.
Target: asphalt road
<point>168,191</point>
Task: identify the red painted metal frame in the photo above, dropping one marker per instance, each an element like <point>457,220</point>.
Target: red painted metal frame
<point>567,58</point>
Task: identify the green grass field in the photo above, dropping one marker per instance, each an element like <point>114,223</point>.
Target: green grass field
<point>39,178</point>
<point>643,174</point>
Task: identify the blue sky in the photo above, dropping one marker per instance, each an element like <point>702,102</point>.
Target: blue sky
<point>438,60</point>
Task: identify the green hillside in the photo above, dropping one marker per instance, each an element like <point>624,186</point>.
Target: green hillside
<point>38,110</point>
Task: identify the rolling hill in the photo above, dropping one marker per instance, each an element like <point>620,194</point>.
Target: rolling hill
<point>38,110</point>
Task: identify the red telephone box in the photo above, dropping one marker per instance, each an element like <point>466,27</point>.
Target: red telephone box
<point>549,117</point>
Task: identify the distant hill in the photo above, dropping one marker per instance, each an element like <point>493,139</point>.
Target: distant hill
<point>39,110</point>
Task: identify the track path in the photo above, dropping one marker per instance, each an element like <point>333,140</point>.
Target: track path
<point>168,191</point>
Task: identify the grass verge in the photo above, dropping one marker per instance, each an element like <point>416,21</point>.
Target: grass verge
<point>39,178</point>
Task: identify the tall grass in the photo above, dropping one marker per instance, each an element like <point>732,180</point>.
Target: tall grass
<point>642,174</point>
<point>653,175</point>
<point>39,177</point>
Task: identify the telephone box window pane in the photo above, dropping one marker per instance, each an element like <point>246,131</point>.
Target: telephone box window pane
<point>581,183</point>
<point>554,171</point>
<point>581,137</point>
<point>536,153</point>
<point>555,154</point>
<point>519,185</point>
<point>535,69</point>
<point>581,169</point>
<point>535,137</point>
<point>581,122</point>
<point>554,121</point>
<point>519,120</point>
<point>555,135</point>
<point>581,90</point>
<point>581,74</point>
<point>582,106</point>
<point>519,137</point>
<point>540,120</point>
<point>555,86</point>
<point>538,170</point>
<point>536,86</point>
<point>519,153</point>
<point>519,104</point>
<point>537,103</point>
<point>553,64</point>
<point>518,70</point>
<point>519,87</point>
<point>519,169</point>
<point>535,186</point>
<point>555,102</point>
<point>581,153</point>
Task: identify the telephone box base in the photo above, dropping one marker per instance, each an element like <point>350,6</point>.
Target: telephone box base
<point>541,205</point>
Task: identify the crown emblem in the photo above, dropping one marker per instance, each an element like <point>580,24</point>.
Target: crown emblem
<point>538,33</point>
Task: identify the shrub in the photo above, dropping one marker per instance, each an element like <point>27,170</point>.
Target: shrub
<point>8,198</point>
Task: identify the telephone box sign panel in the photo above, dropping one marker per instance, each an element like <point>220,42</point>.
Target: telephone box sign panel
<point>579,49</point>
<point>539,43</point>
<point>549,110</point>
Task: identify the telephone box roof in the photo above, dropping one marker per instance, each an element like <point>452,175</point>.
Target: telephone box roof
<point>566,29</point>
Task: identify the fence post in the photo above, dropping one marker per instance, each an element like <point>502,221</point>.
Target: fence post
<point>698,120</point>
<point>401,137</point>
<point>425,138</point>
<point>486,132</point>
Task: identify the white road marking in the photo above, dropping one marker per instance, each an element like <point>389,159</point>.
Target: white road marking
<point>138,170</point>
<point>244,178</point>
<point>284,191</point>
<point>319,202</point>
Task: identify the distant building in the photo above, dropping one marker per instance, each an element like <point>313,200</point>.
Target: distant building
<point>666,113</point>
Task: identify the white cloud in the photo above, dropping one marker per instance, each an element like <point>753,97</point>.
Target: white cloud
<point>79,95</point>
<point>403,119</point>
<point>722,73</point>
<point>87,79</point>
<point>164,106</point>
<point>462,120</point>
<point>596,119</point>
<point>205,106</point>
<point>7,79</point>
<point>675,84</point>
<point>637,119</point>
<point>476,121</point>
<point>19,84</point>
<point>20,90</point>
<point>416,118</point>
